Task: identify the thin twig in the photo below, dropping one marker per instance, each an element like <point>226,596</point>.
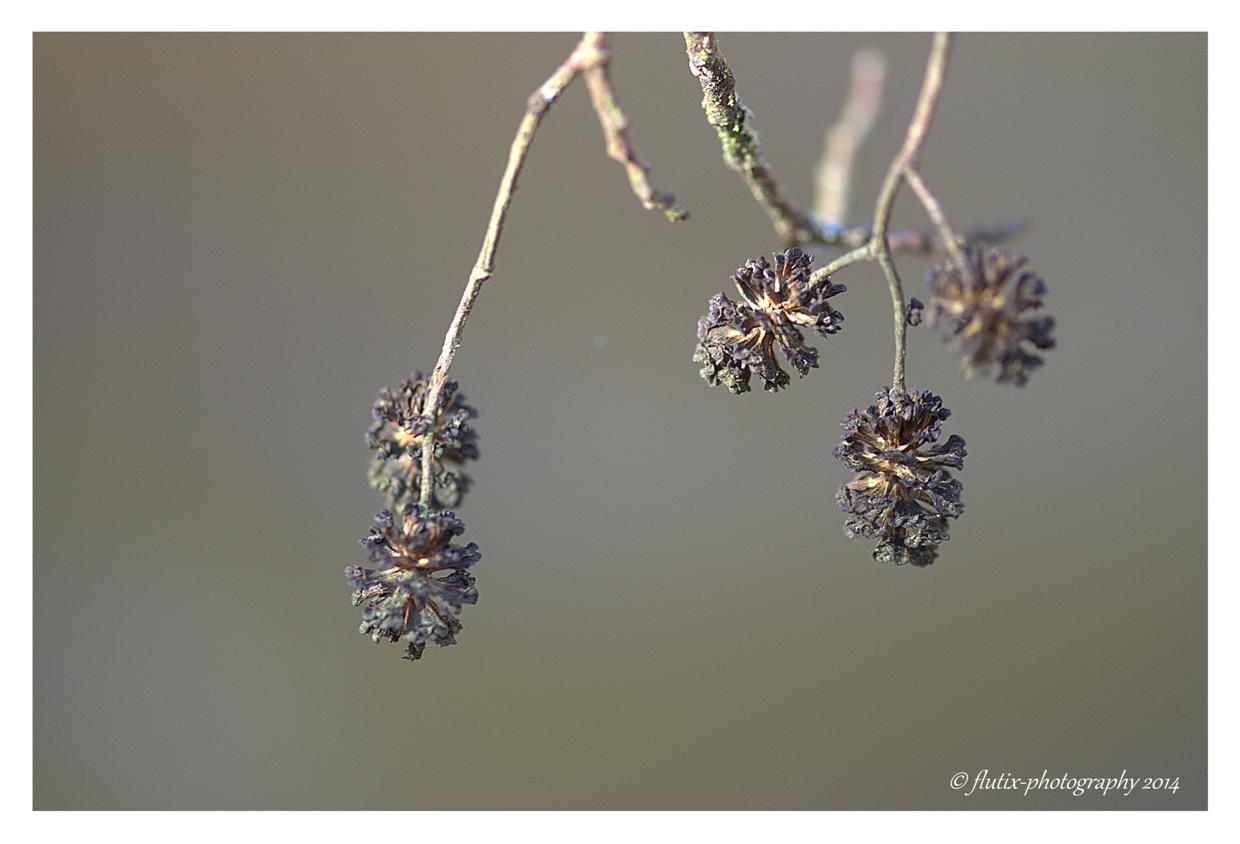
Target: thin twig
<point>738,141</point>
<point>935,212</point>
<point>905,160</point>
<point>615,129</point>
<point>589,56</point>
<point>854,256</point>
<point>833,174</point>
<point>923,242</point>
<point>903,167</point>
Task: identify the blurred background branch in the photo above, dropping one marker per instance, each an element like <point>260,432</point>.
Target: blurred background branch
<point>833,174</point>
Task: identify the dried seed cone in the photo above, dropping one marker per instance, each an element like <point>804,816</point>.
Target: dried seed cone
<point>419,582</point>
<point>986,317</point>
<point>739,339</point>
<point>904,494</point>
<point>396,434</point>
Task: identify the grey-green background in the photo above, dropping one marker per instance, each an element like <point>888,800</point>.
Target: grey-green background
<point>240,238</point>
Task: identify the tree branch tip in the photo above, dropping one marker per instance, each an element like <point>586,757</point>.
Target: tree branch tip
<point>674,214</point>
<point>869,63</point>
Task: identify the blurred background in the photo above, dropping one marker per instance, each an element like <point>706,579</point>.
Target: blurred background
<point>240,238</point>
